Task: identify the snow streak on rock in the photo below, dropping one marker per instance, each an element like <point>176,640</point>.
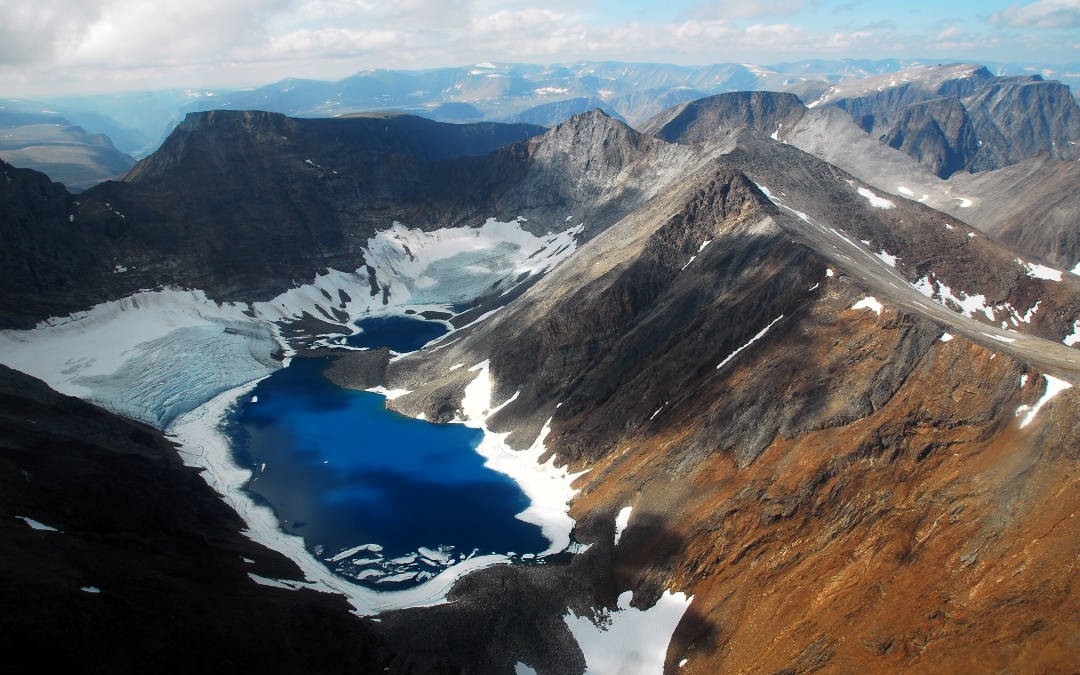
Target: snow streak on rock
<point>1054,386</point>
<point>754,339</point>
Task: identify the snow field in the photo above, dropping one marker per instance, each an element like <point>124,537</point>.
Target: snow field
<point>627,640</point>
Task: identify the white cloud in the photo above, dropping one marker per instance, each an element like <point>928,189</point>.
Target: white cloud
<point>1041,14</point>
<point>748,9</point>
<point>34,31</point>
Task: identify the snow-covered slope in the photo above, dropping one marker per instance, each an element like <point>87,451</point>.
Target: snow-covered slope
<point>157,354</point>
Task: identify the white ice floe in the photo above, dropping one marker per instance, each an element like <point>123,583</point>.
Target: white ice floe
<point>350,552</point>
<point>90,589</point>
<point>1054,386</point>
<point>549,488</point>
<point>621,521</point>
<point>875,201</point>
<point>752,340</point>
<point>629,641</point>
<point>869,302</point>
<point>37,524</point>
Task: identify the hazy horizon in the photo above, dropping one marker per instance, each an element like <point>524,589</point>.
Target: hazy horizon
<point>55,48</point>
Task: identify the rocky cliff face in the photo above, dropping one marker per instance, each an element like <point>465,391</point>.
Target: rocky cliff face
<point>938,133</point>
<point>1017,118</point>
<point>961,118</point>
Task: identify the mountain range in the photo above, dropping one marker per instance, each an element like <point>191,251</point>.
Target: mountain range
<point>791,369</point>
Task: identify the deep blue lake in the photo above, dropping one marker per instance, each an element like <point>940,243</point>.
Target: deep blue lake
<point>400,333</point>
<point>342,471</point>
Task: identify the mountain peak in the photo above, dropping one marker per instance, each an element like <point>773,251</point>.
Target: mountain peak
<point>765,112</point>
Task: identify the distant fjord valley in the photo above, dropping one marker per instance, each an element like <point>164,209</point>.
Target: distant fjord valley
<point>585,368</point>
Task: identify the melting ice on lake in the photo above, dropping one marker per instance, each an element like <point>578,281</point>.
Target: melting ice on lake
<point>383,499</point>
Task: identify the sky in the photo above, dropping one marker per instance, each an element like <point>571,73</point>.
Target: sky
<point>55,47</point>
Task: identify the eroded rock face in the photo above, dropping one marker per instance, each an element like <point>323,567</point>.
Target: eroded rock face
<point>937,133</point>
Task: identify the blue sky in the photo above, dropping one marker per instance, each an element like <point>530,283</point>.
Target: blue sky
<point>55,46</point>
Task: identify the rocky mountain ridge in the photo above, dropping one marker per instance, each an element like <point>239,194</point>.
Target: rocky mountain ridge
<point>839,419</point>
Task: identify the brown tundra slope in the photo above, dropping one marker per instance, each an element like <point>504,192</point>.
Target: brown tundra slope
<point>840,489</point>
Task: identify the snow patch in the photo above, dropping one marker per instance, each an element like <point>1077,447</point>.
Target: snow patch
<point>968,304</point>
<point>1074,337</point>
<point>621,521</point>
<point>1054,386</point>
<point>627,640</point>
<point>946,337</point>
<point>904,191</point>
<point>390,394</point>
<point>869,302</point>
<point>1037,271</point>
<point>876,201</point>
<point>888,258</point>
